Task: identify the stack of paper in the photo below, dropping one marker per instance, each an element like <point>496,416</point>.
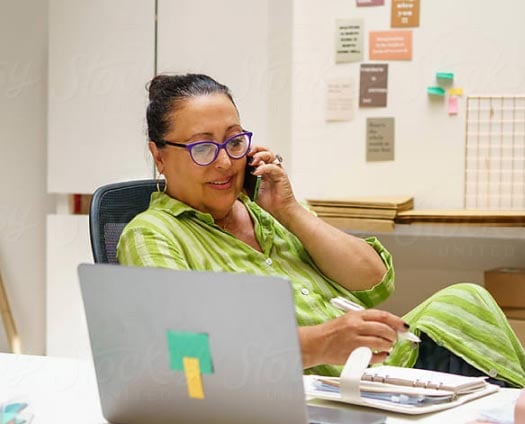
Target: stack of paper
<point>362,213</point>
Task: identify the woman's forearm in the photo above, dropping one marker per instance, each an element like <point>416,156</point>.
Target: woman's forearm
<point>349,260</point>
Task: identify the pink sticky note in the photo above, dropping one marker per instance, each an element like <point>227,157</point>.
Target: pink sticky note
<point>519,411</point>
<point>452,105</point>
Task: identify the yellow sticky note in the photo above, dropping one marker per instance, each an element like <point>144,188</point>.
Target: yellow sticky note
<point>455,91</point>
<point>192,372</point>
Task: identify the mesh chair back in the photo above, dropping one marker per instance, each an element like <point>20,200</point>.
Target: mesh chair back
<point>112,207</point>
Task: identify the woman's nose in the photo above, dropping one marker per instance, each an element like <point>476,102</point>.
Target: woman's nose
<point>223,160</point>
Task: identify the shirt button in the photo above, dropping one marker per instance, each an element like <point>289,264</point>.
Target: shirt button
<point>268,261</point>
<point>493,373</point>
<point>304,291</point>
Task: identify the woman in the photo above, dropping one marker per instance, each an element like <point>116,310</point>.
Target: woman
<point>204,221</point>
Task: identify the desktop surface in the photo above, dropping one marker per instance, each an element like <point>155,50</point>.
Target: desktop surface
<point>62,390</point>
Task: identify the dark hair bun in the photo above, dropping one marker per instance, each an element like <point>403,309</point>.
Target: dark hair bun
<point>157,86</point>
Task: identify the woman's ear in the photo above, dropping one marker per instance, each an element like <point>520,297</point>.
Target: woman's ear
<point>157,156</point>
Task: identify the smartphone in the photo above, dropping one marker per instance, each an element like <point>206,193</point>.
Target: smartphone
<point>251,182</point>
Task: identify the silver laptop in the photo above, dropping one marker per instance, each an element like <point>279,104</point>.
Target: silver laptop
<point>196,347</point>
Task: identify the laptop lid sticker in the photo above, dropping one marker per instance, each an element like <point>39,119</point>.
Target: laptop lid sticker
<point>190,352</point>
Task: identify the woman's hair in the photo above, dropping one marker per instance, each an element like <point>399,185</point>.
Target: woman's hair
<point>167,93</point>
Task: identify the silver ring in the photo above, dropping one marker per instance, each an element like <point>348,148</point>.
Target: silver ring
<point>278,160</point>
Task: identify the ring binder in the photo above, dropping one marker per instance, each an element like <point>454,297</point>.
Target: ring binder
<point>405,390</point>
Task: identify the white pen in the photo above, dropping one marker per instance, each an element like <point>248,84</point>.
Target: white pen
<point>347,305</point>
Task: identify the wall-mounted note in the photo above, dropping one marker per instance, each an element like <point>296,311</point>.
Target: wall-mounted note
<point>452,105</point>
<point>405,13</point>
<point>455,91</point>
<point>373,85</point>
<point>349,40</point>
<point>445,75</point>
<point>436,91</point>
<point>361,3</point>
<point>390,45</point>
<point>379,139</point>
<point>340,95</point>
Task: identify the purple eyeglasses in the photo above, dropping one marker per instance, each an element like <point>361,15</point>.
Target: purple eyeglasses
<point>205,152</point>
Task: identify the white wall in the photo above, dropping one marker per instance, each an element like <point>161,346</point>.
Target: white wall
<point>101,55</point>
<point>24,203</point>
<point>243,44</point>
<point>483,43</point>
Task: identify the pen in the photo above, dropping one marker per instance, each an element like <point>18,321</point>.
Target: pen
<point>347,305</point>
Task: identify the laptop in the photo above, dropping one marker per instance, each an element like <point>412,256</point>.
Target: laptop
<point>196,347</point>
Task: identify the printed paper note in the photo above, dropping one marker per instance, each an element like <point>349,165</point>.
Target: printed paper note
<point>390,45</point>
<point>373,85</point>
<point>349,40</point>
<point>340,95</point>
<point>405,13</point>
<point>379,139</point>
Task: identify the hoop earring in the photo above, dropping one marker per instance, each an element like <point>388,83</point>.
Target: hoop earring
<point>159,182</point>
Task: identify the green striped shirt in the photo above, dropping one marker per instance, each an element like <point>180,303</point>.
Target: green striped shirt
<point>173,235</point>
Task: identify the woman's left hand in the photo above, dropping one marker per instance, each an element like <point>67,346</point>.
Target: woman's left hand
<point>275,191</point>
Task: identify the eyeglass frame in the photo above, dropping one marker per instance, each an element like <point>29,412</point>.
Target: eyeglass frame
<point>219,146</point>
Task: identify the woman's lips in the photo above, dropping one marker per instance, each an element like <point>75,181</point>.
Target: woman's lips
<point>221,184</point>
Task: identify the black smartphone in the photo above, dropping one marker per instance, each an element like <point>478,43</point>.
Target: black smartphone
<point>251,182</point>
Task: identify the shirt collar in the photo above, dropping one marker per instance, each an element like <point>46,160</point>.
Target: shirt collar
<point>162,201</point>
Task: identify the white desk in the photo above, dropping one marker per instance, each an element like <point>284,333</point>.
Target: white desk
<point>64,391</point>
<point>58,390</point>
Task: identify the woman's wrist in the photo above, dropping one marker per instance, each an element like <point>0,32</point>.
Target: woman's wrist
<point>310,339</point>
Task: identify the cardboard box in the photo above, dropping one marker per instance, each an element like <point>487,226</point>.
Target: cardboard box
<point>515,313</point>
<point>507,286</point>
<point>518,325</point>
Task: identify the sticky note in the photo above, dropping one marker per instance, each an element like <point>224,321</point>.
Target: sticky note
<point>183,344</point>
<point>453,105</point>
<point>436,91</point>
<point>190,352</point>
<point>445,75</point>
<point>456,91</point>
<point>193,377</point>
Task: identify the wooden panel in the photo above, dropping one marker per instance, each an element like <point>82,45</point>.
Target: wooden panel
<point>507,286</point>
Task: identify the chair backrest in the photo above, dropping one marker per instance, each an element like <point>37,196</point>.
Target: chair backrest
<point>112,207</point>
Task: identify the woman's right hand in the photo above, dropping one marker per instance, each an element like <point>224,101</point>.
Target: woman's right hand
<point>333,341</point>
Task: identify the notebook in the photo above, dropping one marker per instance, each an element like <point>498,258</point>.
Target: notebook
<point>196,347</point>
<point>406,390</point>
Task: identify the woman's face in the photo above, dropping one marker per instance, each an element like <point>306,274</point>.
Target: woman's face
<point>212,188</point>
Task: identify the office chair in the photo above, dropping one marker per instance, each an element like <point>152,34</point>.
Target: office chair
<point>111,208</point>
